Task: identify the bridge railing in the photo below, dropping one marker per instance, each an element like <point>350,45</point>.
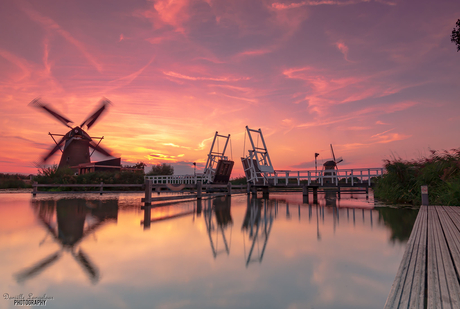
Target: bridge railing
<point>175,179</point>
<point>324,176</point>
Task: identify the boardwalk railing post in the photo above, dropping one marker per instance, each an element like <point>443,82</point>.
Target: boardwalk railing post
<point>199,188</point>
<point>425,196</point>
<point>148,192</point>
<point>34,192</point>
<point>101,188</point>
<point>229,189</point>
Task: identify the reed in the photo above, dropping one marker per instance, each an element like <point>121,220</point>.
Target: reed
<point>404,178</point>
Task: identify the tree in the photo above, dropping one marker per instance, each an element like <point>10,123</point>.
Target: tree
<point>456,35</point>
<point>139,165</point>
<point>161,169</point>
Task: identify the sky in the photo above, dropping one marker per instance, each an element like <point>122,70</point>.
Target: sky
<point>377,79</point>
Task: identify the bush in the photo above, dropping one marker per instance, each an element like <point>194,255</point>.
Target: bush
<point>12,181</point>
<point>403,180</point>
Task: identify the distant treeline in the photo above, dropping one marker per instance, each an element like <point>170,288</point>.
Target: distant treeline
<point>8,181</point>
<point>404,178</point>
<point>53,175</point>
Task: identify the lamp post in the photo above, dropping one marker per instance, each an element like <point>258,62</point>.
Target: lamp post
<point>316,167</point>
<point>194,168</point>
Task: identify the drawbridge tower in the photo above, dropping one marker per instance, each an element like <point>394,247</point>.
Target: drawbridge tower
<point>257,165</point>
<point>218,167</point>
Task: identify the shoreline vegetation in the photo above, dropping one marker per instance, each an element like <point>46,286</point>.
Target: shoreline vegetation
<point>404,178</point>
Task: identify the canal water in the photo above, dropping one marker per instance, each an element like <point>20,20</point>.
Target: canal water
<point>91,251</point>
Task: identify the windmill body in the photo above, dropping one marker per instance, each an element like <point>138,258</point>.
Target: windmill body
<point>76,150</point>
<point>330,167</point>
<point>76,143</point>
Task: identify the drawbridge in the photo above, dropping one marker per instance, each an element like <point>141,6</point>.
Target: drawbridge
<point>259,170</point>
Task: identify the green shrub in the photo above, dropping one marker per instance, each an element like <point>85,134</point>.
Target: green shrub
<point>403,180</point>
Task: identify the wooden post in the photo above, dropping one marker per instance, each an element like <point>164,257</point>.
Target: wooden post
<point>265,192</point>
<point>147,217</point>
<point>315,195</point>
<point>304,190</point>
<point>248,189</point>
<point>229,189</point>
<point>148,192</point>
<point>369,176</point>
<point>199,207</point>
<point>305,194</point>
<point>101,188</point>
<point>425,196</point>
<point>199,188</point>
<point>34,191</point>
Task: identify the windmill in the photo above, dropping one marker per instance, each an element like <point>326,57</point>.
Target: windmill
<point>330,167</point>
<point>76,143</point>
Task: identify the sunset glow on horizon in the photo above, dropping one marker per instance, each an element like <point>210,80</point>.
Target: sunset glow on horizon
<point>375,79</point>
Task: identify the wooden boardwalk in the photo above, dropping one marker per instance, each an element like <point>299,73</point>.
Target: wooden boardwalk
<point>428,274</point>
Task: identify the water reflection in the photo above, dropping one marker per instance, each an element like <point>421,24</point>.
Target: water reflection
<point>283,254</point>
<point>219,223</point>
<point>68,222</point>
<point>257,225</point>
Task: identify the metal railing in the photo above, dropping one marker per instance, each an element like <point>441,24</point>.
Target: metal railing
<point>350,176</point>
<point>175,179</point>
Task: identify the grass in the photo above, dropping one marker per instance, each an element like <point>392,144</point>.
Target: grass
<point>404,178</point>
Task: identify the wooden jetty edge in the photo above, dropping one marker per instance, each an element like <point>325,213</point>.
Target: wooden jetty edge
<point>428,276</point>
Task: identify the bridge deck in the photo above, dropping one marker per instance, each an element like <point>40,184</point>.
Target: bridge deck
<point>428,274</point>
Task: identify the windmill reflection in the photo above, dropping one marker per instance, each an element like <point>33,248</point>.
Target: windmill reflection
<point>69,222</point>
<point>219,223</point>
<point>258,220</point>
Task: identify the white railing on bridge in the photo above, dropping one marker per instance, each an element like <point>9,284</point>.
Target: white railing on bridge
<point>349,176</point>
<point>175,179</point>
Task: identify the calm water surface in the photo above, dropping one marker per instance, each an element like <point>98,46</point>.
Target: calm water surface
<point>91,251</point>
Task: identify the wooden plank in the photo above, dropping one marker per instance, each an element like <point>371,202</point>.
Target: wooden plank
<point>433,293</point>
<point>432,252</point>
<point>396,291</point>
<point>442,259</point>
<point>452,235</point>
<point>418,293</point>
<point>411,285</point>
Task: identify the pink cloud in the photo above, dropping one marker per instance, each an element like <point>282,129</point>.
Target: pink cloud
<point>51,25</point>
<point>220,79</point>
<point>166,12</point>
<point>283,6</point>
<point>343,49</point>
